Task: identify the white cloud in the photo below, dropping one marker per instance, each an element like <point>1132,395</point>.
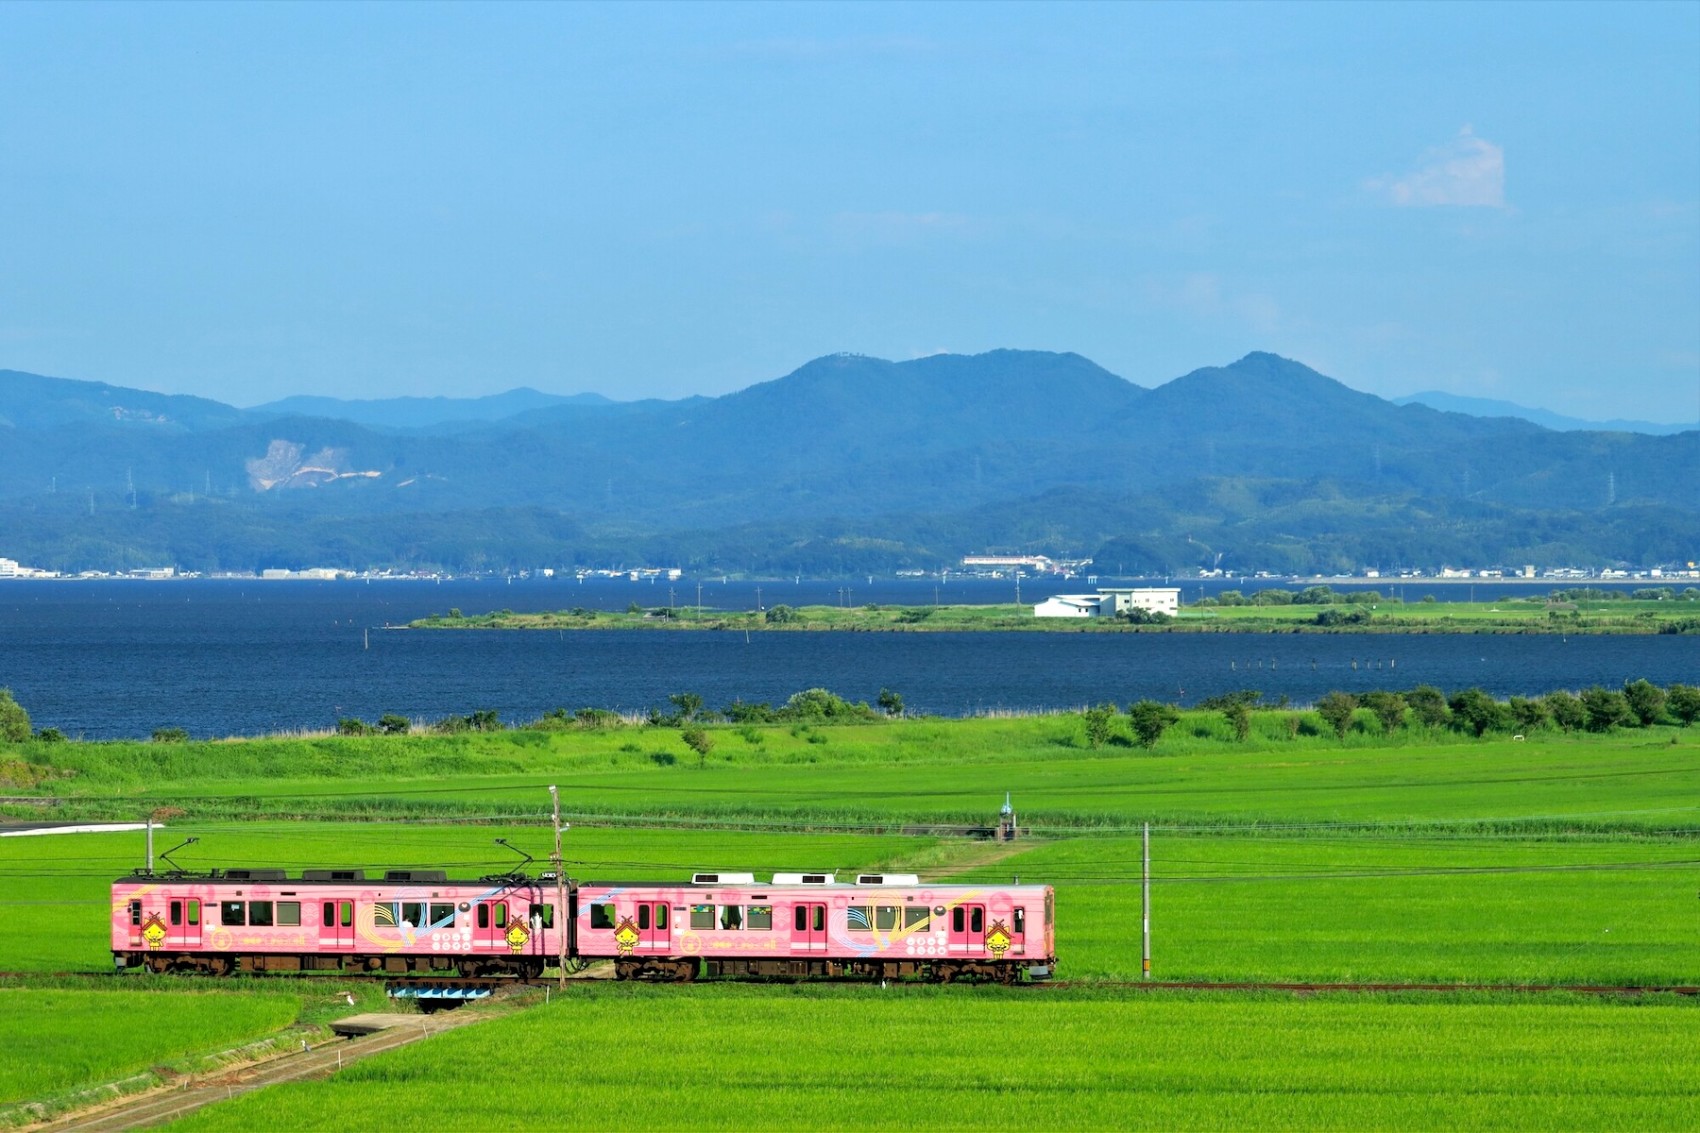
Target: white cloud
<point>1467,172</point>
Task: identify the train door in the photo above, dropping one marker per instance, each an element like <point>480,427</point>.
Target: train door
<point>490,926</point>
<point>968,930</point>
<point>336,925</point>
<point>185,922</point>
<point>808,927</point>
<point>653,933</point>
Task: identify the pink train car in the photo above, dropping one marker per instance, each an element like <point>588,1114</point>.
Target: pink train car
<point>882,926</point>
<point>263,920</point>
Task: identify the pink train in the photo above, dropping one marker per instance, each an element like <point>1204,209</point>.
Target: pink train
<point>795,926</point>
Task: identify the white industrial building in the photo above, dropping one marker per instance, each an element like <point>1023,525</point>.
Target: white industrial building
<point>1109,602</point>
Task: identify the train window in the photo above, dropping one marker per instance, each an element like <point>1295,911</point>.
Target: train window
<point>232,913</point>
<point>917,916</point>
<point>976,919</point>
<point>1020,920</point>
<point>483,915</point>
<point>602,916</point>
<point>260,913</point>
<point>412,913</point>
<point>702,916</point>
<point>194,910</point>
<point>502,914</point>
<point>643,917</point>
<point>328,914</point>
<point>801,919</point>
<point>548,915</point>
<point>442,916</point>
<point>885,917</point>
<point>289,912</point>
<point>135,912</point>
<point>176,913</point>
<point>661,916</point>
<point>858,918</point>
<point>820,918</point>
<point>348,914</point>
<point>760,918</point>
<point>384,915</point>
<point>957,919</point>
<point>731,917</point>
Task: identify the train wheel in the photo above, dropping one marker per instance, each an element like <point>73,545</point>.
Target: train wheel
<point>1008,975</point>
<point>626,969</point>
<point>944,973</point>
<point>221,965</point>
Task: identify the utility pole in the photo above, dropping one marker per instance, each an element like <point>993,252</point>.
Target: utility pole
<point>1145,906</point>
<point>561,919</point>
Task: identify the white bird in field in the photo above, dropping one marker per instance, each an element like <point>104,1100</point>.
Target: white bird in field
<point>349,995</point>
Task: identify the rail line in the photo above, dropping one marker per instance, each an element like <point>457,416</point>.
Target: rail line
<point>1375,988</point>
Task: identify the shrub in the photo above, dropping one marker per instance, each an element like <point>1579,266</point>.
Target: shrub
<point>1565,710</point>
<point>1428,705</point>
<point>751,735</point>
<point>699,741</point>
<point>1098,724</point>
<point>747,712</point>
<point>1389,708</point>
<point>50,736</point>
<point>1528,715</point>
<point>891,703</point>
<point>14,721</point>
<point>1606,709</point>
<point>664,758</point>
<point>1646,700</point>
<point>1684,703</point>
<point>393,725</point>
<point>353,726</point>
<point>782,615</point>
<point>1239,719</point>
<point>1150,720</point>
<point>170,736</point>
<point>1337,708</point>
<point>1475,711</point>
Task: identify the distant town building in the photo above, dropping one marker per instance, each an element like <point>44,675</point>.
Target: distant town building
<point>1109,602</point>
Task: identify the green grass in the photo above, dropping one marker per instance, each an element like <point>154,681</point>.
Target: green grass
<point>914,771</point>
<point>60,1039</point>
<point>762,1058</point>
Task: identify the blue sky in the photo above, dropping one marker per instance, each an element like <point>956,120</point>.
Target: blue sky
<point>248,201</point>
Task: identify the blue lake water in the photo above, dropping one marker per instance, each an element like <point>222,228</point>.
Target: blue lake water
<point>117,659</point>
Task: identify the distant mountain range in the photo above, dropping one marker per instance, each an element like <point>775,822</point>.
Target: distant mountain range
<point>424,412</point>
<point>1488,407</point>
<point>848,464</point>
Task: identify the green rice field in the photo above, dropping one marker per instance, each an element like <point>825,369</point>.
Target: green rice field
<point>59,1039</point>
<point>1415,857</point>
<point>763,1058</point>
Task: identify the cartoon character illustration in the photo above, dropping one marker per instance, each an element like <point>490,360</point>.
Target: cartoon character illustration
<point>626,936</point>
<point>153,931</point>
<point>998,940</point>
<point>517,935</point>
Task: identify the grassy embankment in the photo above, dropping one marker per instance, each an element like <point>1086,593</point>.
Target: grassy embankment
<point>1512,614</point>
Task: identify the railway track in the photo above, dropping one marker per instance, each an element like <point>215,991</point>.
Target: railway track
<point>322,1061</point>
<point>1376,988</point>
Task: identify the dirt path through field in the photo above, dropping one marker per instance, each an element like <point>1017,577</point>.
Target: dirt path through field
<point>170,1102</point>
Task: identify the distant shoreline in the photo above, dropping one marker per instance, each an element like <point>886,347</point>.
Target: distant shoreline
<point>1620,616</point>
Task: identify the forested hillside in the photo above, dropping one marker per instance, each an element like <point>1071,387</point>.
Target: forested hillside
<point>848,464</point>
